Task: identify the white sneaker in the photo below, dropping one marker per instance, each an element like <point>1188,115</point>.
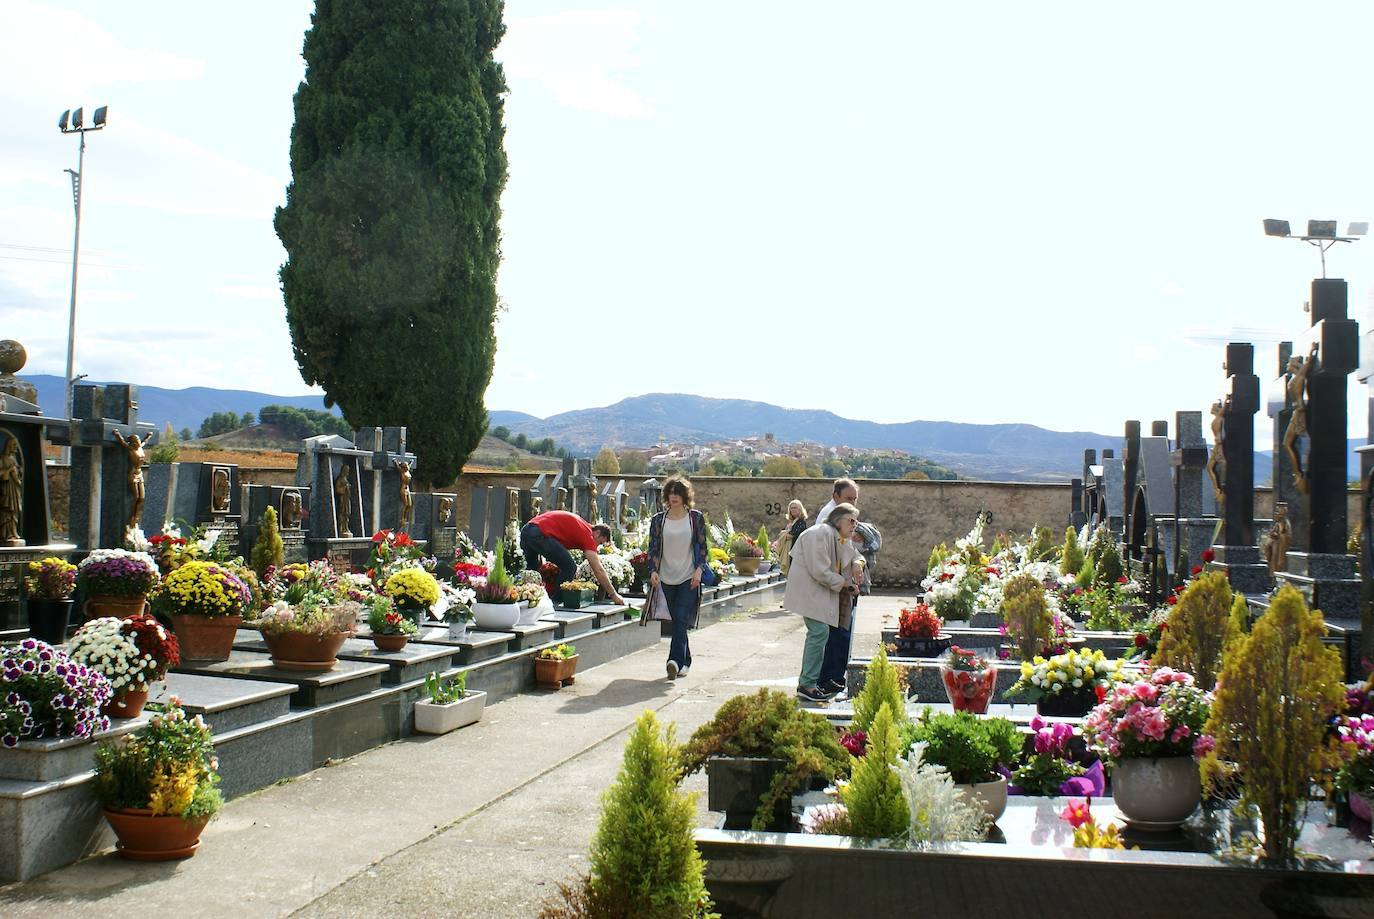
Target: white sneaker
<point>672,670</point>
<point>684,671</point>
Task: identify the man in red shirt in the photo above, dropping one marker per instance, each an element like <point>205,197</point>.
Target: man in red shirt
<point>550,536</point>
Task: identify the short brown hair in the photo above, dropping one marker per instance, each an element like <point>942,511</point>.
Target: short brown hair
<point>677,484</point>
<point>844,485</point>
<point>601,531</point>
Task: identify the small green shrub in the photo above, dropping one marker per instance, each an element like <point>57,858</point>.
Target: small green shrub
<point>882,686</point>
<point>970,747</point>
<point>873,796</point>
<point>1071,556</point>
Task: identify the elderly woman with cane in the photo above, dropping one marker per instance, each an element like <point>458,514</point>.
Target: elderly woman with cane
<point>826,571</point>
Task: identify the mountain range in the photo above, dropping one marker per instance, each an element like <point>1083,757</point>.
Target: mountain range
<point>993,452</point>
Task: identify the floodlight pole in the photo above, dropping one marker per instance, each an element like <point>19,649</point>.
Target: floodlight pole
<point>77,175</point>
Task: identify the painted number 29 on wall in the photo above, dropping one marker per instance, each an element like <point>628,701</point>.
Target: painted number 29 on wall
<point>774,508</point>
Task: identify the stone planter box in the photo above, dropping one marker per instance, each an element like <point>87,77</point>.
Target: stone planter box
<point>734,785</point>
<point>436,718</point>
<point>576,599</point>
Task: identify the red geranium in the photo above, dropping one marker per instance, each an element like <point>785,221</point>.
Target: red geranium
<point>1197,570</point>
<point>919,622</point>
<point>1141,639</point>
<point>1208,555</point>
<point>1171,599</point>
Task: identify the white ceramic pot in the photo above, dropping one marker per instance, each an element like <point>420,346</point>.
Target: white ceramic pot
<point>458,631</point>
<point>1156,793</point>
<point>496,616</point>
<point>432,718</point>
<point>530,614</point>
<point>992,795</point>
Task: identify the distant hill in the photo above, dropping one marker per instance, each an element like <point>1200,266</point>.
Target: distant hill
<point>184,408</point>
<point>999,452</point>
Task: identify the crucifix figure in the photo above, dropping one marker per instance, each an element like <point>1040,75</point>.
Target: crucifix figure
<point>1216,461</point>
<point>407,502</point>
<point>1298,370</point>
<point>133,446</point>
<point>343,503</point>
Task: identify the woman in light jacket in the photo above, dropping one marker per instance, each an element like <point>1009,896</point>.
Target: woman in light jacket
<point>823,566</point>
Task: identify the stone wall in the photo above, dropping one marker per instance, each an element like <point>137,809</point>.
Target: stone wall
<point>913,516</point>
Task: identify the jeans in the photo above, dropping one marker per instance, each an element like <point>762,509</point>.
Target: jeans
<point>682,606</point>
<point>816,634</point>
<point>837,644</point>
<point>536,546</point>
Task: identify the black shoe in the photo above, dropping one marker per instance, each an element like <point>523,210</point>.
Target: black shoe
<point>813,694</point>
<point>834,687</point>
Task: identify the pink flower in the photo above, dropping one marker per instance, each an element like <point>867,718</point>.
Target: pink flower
<point>1143,691</point>
<point>1076,813</point>
<point>1179,733</point>
<point>1203,745</point>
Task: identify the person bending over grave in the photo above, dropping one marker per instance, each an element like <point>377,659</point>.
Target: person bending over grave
<point>549,536</point>
<point>826,569</point>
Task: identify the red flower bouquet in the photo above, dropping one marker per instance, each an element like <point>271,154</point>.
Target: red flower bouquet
<point>919,621</point>
<point>969,680</point>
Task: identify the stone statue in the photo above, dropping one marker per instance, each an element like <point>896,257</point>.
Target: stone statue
<point>1216,460</point>
<point>1298,369</point>
<point>290,510</point>
<point>536,506</point>
<point>343,503</point>
<point>445,510</point>
<point>11,492</point>
<point>133,446</point>
<point>1275,543</point>
<point>219,490</point>
<point>407,501</point>
<point>513,506</point>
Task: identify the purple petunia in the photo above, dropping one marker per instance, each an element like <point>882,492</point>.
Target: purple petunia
<point>28,644</point>
<point>29,666</point>
<point>9,740</point>
<point>12,699</point>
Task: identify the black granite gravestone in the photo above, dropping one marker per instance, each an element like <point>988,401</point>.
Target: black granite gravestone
<point>1237,554</point>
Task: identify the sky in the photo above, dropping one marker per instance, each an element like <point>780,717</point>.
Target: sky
<point>979,212</point>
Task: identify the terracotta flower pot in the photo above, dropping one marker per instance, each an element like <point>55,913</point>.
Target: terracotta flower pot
<point>553,673</point>
<point>746,564</point>
<point>99,606</point>
<point>48,619</point>
<point>126,704</point>
<point>146,838</point>
<point>299,651</point>
<point>969,691</point>
<point>389,642</point>
<point>205,638</point>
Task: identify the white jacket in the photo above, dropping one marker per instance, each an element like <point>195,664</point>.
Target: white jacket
<point>813,583</point>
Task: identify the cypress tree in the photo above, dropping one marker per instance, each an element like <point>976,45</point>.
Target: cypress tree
<point>268,548</point>
<point>391,223</point>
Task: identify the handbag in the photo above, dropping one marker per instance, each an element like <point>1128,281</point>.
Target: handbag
<point>656,607</point>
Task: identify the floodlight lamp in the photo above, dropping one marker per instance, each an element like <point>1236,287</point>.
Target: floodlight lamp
<point>62,122</point>
<point>1357,228</point>
<point>76,120</point>
<point>100,116</point>
<point>1277,228</point>
<point>1321,229</point>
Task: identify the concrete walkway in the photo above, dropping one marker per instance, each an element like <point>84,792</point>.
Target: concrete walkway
<point>483,822</point>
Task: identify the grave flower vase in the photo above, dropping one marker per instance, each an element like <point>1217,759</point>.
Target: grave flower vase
<point>389,642</point>
<point>127,703</point>
<point>144,837</point>
<point>552,673</point>
<point>968,690</point>
<point>48,619</point>
<point>1156,793</point>
<point>99,606</point>
<point>496,617</point>
<point>205,638</point>
<point>1068,704</point>
<point>746,565</point>
<point>302,651</point>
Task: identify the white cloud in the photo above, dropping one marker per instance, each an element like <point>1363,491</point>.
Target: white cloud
<point>578,56</point>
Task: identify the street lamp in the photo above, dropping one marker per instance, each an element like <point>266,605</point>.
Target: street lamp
<point>72,122</point>
<point>1320,233</point>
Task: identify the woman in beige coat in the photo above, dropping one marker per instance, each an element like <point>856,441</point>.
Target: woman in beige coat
<point>823,566</point>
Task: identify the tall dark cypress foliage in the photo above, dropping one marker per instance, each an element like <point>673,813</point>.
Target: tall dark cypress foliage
<point>392,219</point>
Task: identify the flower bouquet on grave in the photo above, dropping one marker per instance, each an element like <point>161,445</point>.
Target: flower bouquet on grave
<point>455,606</point>
<point>413,590</point>
<point>158,786</point>
<point>390,629</point>
<point>745,553</point>
<point>640,563</point>
<point>494,604</point>
<point>205,602</point>
<point>969,679</point>
<point>170,548</point>
<point>616,565</point>
<point>1067,684</point>
<point>1151,731</point>
<point>115,582</point>
<point>577,594</point>
<point>48,695</point>
<point>919,632</point>
<point>131,653</point>
<point>550,573</point>
<point>555,666</point>
<point>393,551</point>
<point>1050,768</point>
<point>1356,774</point>
<point>48,586</point>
